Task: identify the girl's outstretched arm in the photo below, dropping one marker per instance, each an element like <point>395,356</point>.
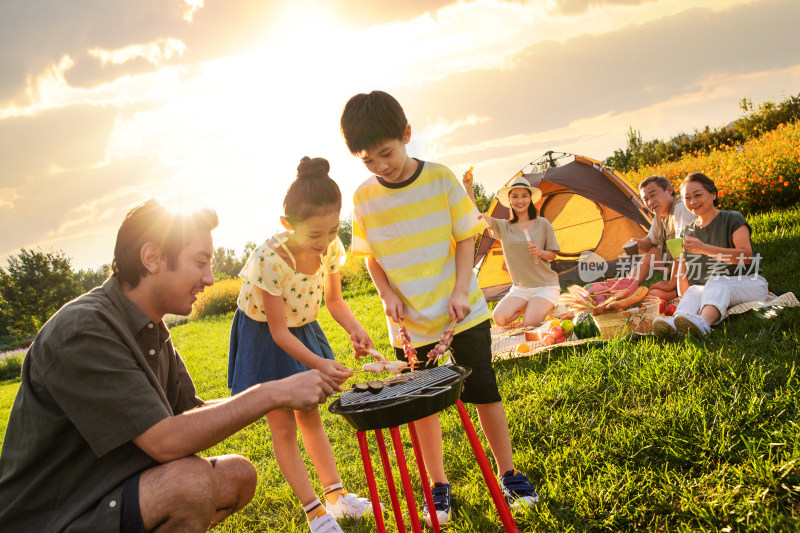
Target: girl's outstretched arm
<point>342,314</point>
<point>276,319</point>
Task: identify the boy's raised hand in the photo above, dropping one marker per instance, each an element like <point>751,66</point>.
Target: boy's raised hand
<point>458,306</point>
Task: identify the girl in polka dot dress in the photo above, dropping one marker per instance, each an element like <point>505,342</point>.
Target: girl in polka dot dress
<point>275,333</point>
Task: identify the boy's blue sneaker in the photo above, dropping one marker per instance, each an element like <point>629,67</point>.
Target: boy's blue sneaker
<point>441,502</point>
<point>517,490</point>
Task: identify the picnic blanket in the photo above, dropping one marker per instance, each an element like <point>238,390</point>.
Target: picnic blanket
<point>505,339</point>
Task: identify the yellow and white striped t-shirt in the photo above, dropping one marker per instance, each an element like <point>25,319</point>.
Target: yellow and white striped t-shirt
<point>411,228</point>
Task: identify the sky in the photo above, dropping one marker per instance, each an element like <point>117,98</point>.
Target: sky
<point>106,103</point>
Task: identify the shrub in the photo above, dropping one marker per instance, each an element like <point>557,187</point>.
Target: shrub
<point>11,366</point>
<point>758,175</point>
<point>218,299</point>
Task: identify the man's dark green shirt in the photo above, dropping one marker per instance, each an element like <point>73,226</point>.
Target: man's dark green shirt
<point>98,374</point>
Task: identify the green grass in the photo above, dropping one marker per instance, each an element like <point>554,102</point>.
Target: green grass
<point>623,436</point>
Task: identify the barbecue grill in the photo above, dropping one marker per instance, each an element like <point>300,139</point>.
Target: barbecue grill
<point>402,400</point>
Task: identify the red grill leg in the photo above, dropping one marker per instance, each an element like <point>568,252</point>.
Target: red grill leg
<point>409,490</point>
<point>488,474</point>
<point>387,471</point>
<point>423,476</point>
<point>373,489</point>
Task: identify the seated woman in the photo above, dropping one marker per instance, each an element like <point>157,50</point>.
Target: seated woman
<point>716,270</point>
<point>529,242</point>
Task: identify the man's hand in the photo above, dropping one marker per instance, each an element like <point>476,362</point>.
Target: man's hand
<point>393,306</point>
<point>643,244</point>
<point>458,306</point>
<point>304,390</point>
<point>661,285</point>
<point>361,341</point>
<point>334,370</point>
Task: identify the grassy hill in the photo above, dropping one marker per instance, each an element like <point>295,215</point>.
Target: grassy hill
<point>690,435</point>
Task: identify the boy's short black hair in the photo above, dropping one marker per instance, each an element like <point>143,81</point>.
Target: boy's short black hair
<point>369,119</point>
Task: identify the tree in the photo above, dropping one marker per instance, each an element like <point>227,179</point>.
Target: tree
<point>346,231</point>
<point>34,286</point>
<point>89,278</point>
<point>226,264</point>
<point>482,200</point>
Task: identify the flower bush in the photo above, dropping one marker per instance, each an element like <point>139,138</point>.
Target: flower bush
<point>218,299</point>
<point>755,176</point>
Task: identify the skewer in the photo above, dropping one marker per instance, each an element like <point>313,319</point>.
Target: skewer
<point>447,333</point>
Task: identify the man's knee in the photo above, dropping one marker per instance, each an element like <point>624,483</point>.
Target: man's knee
<point>181,493</point>
<point>196,479</point>
<point>239,474</point>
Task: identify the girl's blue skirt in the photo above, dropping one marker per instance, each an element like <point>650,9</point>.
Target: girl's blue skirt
<point>253,356</point>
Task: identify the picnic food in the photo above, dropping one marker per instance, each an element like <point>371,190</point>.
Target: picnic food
<point>567,325</point>
<point>395,367</point>
<point>443,344</point>
<point>621,302</point>
<point>374,386</point>
<point>411,353</point>
<point>523,347</point>
<point>532,336</point>
<point>585,328</point>
<point>669,310</point>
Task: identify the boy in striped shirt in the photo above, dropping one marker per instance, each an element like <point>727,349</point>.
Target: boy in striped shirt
<point>415,225</point>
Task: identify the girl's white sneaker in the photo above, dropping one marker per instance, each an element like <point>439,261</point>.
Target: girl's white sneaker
<point>349,505</point>
<point>325,523</point>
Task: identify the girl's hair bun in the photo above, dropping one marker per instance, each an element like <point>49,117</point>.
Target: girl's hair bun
<point>313,168</point>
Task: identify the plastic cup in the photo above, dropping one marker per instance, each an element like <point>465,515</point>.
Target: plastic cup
<point>675,247</point>
<point>631,248</point>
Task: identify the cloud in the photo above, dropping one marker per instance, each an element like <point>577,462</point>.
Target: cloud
<point>60,138</point>
<point>551,84</point>
<point>35,36</point>
<point>76,202</point>
<point>575,7</point>
<point>371,12</point>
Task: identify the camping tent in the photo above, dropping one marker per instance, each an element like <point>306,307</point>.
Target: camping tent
<point>590,208</point>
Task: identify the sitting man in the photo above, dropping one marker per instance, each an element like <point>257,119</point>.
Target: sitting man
<point>671,216</point>
<point>106,424</point>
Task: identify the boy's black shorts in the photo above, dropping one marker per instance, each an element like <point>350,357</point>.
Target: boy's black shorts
<point>471,348</point>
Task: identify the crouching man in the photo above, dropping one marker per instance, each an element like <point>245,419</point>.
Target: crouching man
<point>104,430</point>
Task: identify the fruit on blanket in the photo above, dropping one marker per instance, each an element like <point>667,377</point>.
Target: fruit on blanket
<point>523,347</point>
<point>662,305</point>
<point>553,322</point>
<point>549,339</point>
<point>585,328</point>
<point>669,310</point>
<point>557,331</point>
<point>567,325</point>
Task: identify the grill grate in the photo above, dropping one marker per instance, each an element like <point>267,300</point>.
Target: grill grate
<point>411,383</point>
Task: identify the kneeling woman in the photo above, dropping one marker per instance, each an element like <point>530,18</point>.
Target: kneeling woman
<point>716,271</point>
<point>529,243</point>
